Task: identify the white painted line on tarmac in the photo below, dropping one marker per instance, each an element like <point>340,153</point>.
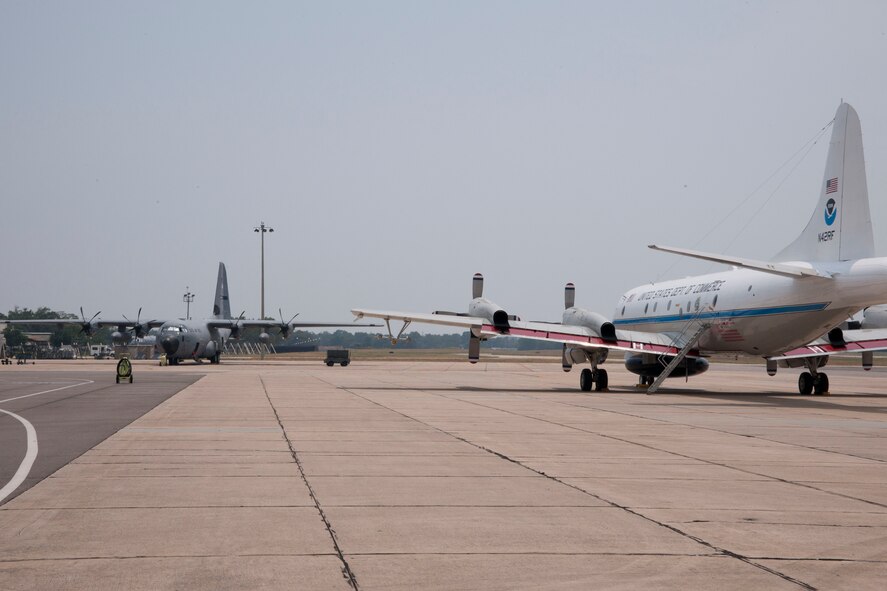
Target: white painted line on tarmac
<point>31,454</point>
<point>83,383</point>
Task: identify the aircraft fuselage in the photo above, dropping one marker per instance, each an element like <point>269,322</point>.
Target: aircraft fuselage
<point>190,339</point>
<point>754,312</point>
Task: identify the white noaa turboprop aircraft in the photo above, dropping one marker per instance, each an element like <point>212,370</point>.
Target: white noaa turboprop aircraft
<point>787,311</point>
<point>181,338</point>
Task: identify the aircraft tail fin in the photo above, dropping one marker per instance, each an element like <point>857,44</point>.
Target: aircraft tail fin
<point>221,305</point>
<point>840,228</point>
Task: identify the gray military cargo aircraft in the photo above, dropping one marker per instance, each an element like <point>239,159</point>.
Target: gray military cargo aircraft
<point>181,339</point>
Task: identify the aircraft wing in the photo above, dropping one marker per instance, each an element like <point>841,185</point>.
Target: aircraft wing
<point>237,322</point>
<point>574,336</point>
<point>855,341</point>
<point>424,318</point>
<point>585,338</point>
<point>60,322</point>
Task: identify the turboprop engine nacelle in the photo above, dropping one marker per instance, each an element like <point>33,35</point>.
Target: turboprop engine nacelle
<point>483,308</point>
<point>600,325</point>
<point>875,317</point>
<point>486,309</point>
<point>210,350</point>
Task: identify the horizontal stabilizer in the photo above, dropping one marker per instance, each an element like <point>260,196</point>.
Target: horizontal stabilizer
<point>784,269</point>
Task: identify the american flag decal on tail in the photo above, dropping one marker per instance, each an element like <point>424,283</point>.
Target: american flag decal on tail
<point>831,186</point>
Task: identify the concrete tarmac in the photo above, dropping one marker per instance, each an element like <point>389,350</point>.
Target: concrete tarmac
<point>71,412</point>
<point>407,475</point>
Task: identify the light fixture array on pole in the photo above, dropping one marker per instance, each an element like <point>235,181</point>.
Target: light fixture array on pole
<point>262,229</point>
<point>188,298</point>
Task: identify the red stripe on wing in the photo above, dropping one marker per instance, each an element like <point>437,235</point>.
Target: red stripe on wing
<point>584,339</point>
<point>850,348</point>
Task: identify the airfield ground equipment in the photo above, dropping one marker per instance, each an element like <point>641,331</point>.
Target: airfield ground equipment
<point>340,356</point>
<point>124,370</point>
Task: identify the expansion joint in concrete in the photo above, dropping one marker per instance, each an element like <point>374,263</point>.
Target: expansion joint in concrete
<point>346,568</point>
<point>500,455</point>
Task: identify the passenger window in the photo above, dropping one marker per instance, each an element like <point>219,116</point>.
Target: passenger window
<point>697,305</point>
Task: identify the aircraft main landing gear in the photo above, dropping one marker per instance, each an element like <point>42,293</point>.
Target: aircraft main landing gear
<point>813,381</point>
<point>593,377</point>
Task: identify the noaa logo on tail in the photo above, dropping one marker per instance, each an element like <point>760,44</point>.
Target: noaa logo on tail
<point>831,212</point>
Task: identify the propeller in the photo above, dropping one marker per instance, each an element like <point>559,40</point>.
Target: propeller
<point>285,326</point>
<point>477,286</point>
<point>87,326</point>
<point>569,296</point>
<point>138,329</point>
<point>237,327</point>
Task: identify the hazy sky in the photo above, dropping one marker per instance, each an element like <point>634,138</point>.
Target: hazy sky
<point>399,147</point>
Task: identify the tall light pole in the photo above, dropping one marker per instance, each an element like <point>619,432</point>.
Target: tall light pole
<point>188,298</point>
<point>261,229</point>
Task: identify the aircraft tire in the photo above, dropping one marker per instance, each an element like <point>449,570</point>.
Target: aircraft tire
<point>820,384</point>
<point>805,383</point>
<point>602,380</point>
<point>586,380</point>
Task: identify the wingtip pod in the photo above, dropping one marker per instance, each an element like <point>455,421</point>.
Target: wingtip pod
<point>840,228</point>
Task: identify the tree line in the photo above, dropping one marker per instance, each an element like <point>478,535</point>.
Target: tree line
<point>70,334</point>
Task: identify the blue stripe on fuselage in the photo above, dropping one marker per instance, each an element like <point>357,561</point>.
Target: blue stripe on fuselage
<point>747,313</point>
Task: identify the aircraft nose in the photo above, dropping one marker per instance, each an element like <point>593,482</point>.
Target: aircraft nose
<point>170,344</point>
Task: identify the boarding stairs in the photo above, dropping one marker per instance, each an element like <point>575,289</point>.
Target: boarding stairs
<point>677,359</point>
